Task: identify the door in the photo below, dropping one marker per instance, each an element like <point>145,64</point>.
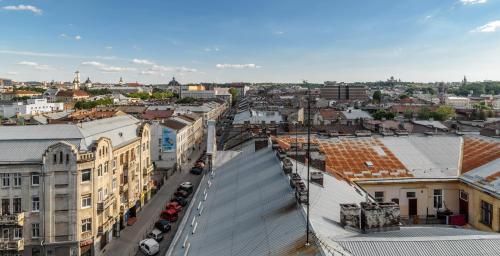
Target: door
<point>464,209</point>
<point>412,206</point>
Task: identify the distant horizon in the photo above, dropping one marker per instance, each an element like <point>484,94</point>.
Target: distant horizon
<point>353,41</point>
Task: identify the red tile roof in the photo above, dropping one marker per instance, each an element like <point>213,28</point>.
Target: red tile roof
<point>478,152</point>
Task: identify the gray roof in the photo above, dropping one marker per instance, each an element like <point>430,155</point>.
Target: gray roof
<point>427,157</point>
<point>356,114</point>
<point>478,177</point>
<point>256,117</point>
<point>33,140</point>
<point>244,214</point>
<point>408,241</point>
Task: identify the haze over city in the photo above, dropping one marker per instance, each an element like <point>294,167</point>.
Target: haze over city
<point>250,41</point>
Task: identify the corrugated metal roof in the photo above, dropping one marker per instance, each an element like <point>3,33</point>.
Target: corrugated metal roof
<point>486,177</point>
<point>27,143</point>
<point>465,247</point>
<point>250,210</point>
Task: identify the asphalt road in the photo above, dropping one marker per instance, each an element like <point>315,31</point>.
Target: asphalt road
<point>128,242</point>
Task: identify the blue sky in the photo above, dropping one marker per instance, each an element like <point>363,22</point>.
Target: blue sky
<point>252,41</point>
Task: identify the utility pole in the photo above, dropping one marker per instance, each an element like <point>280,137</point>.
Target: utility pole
<point>296,147</point>
<point>308,154</point>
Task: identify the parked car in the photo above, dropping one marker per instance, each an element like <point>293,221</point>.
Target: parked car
<point>170,215</point>
<point>163,225</point>
<point>196,170</point>
<point>181,193</point>
<point>180,200</point>
<point>156,234</point>
<point>149,246</point>
<point>174,205</point>
<point>186,186</point>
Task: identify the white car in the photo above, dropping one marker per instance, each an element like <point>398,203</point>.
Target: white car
<point>149,246</point>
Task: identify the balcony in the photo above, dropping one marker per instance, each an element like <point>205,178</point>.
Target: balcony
<point>12,245</point>
<point>85,157</point>
<point>106,203</point>
<point>147,170</point>
<point>12,219</point>
<point>123,188</point>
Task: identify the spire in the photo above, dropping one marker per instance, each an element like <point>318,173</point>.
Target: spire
<point>76,81</point>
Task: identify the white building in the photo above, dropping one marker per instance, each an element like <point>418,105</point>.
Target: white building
<point>457,102</point>
<point>32,107</point>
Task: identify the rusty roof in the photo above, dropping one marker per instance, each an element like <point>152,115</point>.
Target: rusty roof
<point>478,151</point>
<point>176,125</point>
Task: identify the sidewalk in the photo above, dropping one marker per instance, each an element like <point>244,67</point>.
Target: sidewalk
<point>127,243</point>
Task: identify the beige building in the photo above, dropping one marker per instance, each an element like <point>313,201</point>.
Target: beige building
<point>68,189</point>
<point>174,140</point>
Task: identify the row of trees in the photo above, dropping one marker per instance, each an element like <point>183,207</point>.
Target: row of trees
<point>442,113</point>
<point>83,104</point>
<point>478,88</point>
<point>159,95</point>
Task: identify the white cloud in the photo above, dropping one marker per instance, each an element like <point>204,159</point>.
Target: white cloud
<point>148,72</point>
<point>35,65</point>
<point>57,55</point>
<point>470,2</point>
<point>12,73</point>
<point>107,68</point>
<point>173,69</point>
<point>488,27</point>
<point>23,7</point>
<point>78,37</point>
<point>63,35</point>
<point>142,62</point>
<point>237,66</point>
<point>212,49</point>
<point>109,47</point>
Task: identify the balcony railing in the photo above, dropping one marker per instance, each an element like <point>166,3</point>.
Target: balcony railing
<point>12,219</point>
<point>106,203</point>
<point>147,170</point>
<point>85,157</point>
<point>12,245</point>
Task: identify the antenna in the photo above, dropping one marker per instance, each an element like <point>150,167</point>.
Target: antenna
<point>308,154</point>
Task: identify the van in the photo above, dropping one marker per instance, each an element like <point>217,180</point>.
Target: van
<point>149,246</point>
<point>156,235</point>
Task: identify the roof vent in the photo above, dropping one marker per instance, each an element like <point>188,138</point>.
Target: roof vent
<point>120,134</point>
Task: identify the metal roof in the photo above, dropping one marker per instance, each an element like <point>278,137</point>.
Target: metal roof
<point>27,143</point>
<point>486,177</point>
<point>250,210</point>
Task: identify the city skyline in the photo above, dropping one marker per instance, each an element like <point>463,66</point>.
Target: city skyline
<point>258,41</point>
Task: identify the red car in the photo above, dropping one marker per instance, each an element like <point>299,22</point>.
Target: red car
<point>171,215</point>
<point>174,205</point>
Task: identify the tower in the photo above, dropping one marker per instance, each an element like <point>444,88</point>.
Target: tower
<point>76,81</point>
<point>464,82</point>
<point>121,81</point>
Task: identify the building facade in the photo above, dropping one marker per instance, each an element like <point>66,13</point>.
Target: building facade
<point>343,92</point>
<point>31,107</point>
<point>75,186</point>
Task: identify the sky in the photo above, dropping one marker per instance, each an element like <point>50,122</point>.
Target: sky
<point>250,41</point>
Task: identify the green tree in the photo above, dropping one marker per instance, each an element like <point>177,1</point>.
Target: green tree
<point>140,95</point>
<point>186,100</point>
<point>377,96</point>
<point>234,93</point>
<point>83,104</point>
<point>408,114</point>
<point>381,114</point>
<point>404,96</point>
<point>425,113</point>
<point>443,113</point>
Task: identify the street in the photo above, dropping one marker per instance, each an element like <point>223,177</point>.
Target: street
<point>127,243</point>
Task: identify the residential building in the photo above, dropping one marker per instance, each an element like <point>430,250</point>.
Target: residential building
<point>31,107</point>
<point>174,139</point>
<point>343,92</point>
<point>70,188</point>
<point>19,94</point>
<point>71,95</point>
<point>258,117</point>
<point>457,102</point>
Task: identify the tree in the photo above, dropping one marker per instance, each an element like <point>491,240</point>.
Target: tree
<point>425,113</point>
<point>403,96</point>
<point>83,104</point>
<point>382,114</point>
<point>443,113</point>
<point>186,100</point>
<point>234,93</point>
<point>140,95</point>
<point>377,96</point>
<point>408,114</point>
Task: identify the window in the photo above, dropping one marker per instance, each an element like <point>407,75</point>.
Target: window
<point>86,201</point>
<point>35,179</point>
<point>35,230</point>
<point>60,157</point>
<point>54,159</point>
<point>5,234</point>
<point>86,175</point>
<point>35,204</point>
<point>99,170</point>
<point>100,195</point>
<point>114,163</point>
<point>379,196</point>
<point>17,179</point>
<point>86,225</point>
<point>395,200</point>
<point>121,159</point>
<point>106,167</point>
<point>5,180</point>
<point>17,205</point>
<point>113,186</point>
<point>67,158</point>
<point>18,233</point>
<point>486,213</point>
<point>438,198</point>
<point>410,194</point>
<point>5,206</point>
<point>464,195</point>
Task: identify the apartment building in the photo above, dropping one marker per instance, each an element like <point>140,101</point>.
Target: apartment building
<point>68,189</point>
<point>343,92</point>
<point>174,139</point>
<point>31,107</point>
